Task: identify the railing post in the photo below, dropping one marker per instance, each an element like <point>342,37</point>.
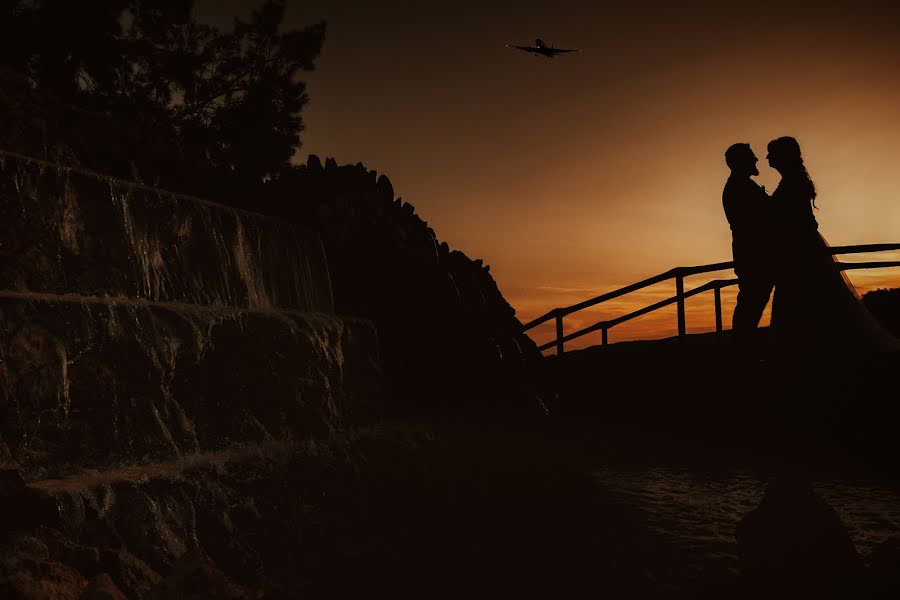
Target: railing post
<point>679,292</point>
<point>718,293</point>
<point>559,335</point>
<point>605,337</point>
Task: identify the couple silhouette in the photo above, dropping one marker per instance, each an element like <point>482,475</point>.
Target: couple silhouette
<point>776,245</point>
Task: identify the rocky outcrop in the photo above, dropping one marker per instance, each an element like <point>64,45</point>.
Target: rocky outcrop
<point>65,231</point>
<point>175,380</point>
<point>144,531</point>
<point>135,326</point>
<point>450,341</point>
<point>163,361</point>
<point>88,384</point>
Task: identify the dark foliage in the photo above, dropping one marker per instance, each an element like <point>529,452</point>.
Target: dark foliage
<point>139,88</point>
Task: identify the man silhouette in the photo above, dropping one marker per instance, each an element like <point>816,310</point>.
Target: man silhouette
<point>748,210</point>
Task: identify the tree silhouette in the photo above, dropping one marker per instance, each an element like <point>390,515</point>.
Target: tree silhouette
<point>136,86</point>
<point>140,89</point>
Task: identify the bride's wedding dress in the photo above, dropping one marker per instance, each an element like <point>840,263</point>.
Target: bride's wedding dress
<point>816,309</point>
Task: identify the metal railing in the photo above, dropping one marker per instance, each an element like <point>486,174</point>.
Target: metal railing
<point>679,274</point>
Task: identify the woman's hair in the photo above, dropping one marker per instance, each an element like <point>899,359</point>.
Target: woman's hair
<point>788,151</point>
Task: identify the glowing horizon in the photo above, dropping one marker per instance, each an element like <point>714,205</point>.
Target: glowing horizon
<point>662,323</point>
<point>593,171</point>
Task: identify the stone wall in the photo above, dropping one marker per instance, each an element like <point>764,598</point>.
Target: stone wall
<point>139,326</point>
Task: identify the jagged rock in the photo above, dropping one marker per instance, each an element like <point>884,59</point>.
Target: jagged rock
<point>131,574</point>
<point>7,462</point>
<point>151,382</point>
<point>172,291</point>
<point>195,576</point>
<point>59,238</point>
<point>30,573</point>
<point>385,188</point>
<point>102,587</point>
<point>62,548</point>
<point>794,544</point>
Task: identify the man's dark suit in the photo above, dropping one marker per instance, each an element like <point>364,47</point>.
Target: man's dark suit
<point>749,212</point>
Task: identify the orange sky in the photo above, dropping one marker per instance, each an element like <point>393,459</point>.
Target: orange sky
<point>575,176</point>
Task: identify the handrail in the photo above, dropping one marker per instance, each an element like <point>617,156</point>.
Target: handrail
<point>869,265</point>
<point>608,296</point>
<point>679,273</point>
<point>861,248</point>
<point>605,325</point>
<point>671,273</point>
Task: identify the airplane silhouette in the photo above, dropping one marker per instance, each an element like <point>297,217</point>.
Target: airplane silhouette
<point>540,48</point>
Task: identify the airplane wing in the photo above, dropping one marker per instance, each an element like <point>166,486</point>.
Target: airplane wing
<point>525,48</point>
<point>563,50</point>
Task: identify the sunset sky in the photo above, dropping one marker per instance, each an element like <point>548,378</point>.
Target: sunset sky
<point>578,175</point>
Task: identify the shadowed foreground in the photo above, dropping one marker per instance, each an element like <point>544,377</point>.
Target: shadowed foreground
<point>398,509</point>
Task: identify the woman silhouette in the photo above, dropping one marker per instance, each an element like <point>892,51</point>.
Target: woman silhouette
<point>816,310</point>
